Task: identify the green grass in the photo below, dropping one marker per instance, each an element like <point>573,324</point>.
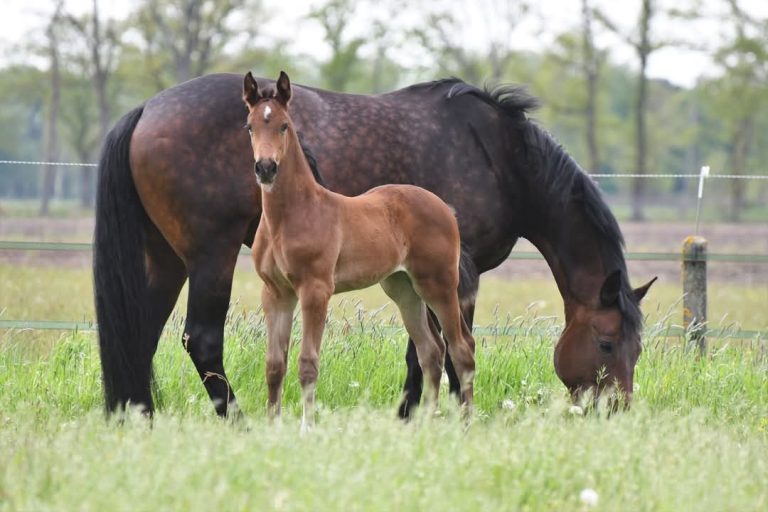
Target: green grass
<point>696,438</point>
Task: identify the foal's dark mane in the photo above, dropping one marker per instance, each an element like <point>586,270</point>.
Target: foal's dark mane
<point>552,170</point>
<point>311,160</point>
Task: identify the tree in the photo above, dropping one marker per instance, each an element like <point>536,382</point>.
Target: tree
<point>573,88</point>
<point>643,47</point>
<point>334,18</point>
<point>444,35</point>
<point>52,125</point>
<point>79,116</point>
<point>100,44</point>
<point>741,93</point>
<point>185,36</point>
<point>590,67</point>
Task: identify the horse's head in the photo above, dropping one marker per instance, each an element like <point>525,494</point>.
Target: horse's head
<point>268,125</point>
<point>600,344</point>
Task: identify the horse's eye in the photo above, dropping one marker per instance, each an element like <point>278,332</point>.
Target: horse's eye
<point>606,347</point>
<point>284,128</point>
<point>247,127</point>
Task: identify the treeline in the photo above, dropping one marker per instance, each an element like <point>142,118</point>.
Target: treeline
<point>88,70</point>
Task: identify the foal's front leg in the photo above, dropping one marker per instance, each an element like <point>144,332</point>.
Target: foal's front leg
<point>313,296</point>
<point>278,308</point>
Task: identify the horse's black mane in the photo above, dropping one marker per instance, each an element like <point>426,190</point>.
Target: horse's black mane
<point>311,160</point>
<point>555,172</point>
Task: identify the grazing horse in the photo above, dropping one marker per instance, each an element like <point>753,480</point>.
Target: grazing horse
<point>177,198</point>
<point>312,242</point>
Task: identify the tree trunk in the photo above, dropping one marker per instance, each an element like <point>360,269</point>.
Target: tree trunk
<point>591,75</point>
<point>100,73</point>
<point>741,142</point>
<point>643,50</point>
<point>87,184</point>
<point>52,133</point>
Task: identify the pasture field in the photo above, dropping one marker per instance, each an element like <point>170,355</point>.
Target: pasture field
<point>695,439</point>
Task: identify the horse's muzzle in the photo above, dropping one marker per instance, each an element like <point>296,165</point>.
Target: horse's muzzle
<point>266,170</point>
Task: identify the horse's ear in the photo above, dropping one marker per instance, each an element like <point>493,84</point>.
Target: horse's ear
<point>250,90</point>
<point>639,293</point>
<point>610,293</point>
<point>284,89</point>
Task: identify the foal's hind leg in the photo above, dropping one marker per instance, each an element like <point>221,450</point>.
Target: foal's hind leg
<point>454,385</point>
<point>444,301</point>
<point>427,343</point>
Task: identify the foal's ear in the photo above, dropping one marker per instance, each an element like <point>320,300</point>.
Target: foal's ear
<point>284,89</point>
<point>639,293</point>
<point>610,292</point>
<point>250,90</point>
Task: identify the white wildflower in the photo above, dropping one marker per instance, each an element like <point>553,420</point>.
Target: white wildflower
<point>508,405</point>
<point>589,497</point>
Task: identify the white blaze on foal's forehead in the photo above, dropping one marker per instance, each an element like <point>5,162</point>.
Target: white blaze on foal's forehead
<point>267,112</point>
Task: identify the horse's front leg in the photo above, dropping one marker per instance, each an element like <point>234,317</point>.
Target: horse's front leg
<point>313,295</point>
<point>278,309</point>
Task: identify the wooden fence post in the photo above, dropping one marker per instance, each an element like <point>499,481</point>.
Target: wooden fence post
<point>695,289</point>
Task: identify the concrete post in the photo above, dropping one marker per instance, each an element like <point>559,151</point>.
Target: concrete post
<point>695,289</point>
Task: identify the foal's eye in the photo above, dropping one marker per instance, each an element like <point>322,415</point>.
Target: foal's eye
<point>606,347</point>
<point>284,128</point>
<point>248,127</point>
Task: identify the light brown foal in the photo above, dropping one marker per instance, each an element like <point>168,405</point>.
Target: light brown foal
<point>312,243</point>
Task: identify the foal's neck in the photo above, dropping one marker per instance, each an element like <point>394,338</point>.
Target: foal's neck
<point>294,191</point>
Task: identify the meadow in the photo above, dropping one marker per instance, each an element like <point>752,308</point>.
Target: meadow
<point>696,437</point>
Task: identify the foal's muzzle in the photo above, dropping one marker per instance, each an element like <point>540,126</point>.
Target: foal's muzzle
<point>266,169</point>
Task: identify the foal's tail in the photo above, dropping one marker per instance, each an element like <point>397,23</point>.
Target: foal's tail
<point>469,278</point>
<point>119,275</point>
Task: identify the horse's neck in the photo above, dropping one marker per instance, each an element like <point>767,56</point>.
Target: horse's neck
<point>294,191</point>
<point>571,248</point>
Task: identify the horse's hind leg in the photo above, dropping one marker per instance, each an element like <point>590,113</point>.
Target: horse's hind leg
<point>414,382</point>
<point>210,287</point>
<point>165,277</point>
<point>427,343</point>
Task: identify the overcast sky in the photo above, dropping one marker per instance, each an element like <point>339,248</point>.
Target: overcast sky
<point>18,18</point>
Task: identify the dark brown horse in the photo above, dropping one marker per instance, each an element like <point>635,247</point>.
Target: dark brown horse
<point>177,198</point>
<point>312,243</point>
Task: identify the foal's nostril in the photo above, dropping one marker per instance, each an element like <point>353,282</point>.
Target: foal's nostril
<point>265,166</point>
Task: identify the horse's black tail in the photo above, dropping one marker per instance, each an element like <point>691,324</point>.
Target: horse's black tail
<point>119,275</point>
<point>469,278</point>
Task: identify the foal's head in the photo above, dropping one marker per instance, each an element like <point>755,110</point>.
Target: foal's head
<point>268,125</point>
<point>601,342</point>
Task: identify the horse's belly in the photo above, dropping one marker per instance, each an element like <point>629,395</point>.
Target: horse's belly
<point>358,277</point>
